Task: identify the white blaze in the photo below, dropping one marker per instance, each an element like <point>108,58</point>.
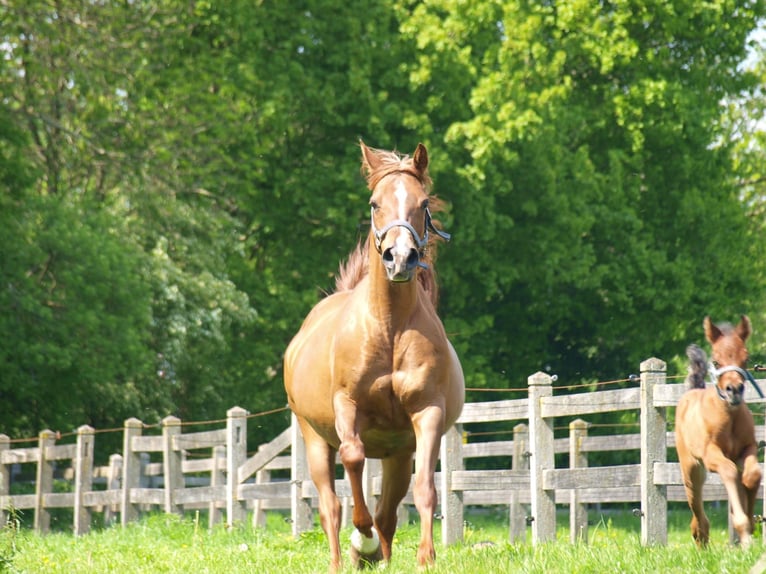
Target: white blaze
<point>401,197</point>
<point>403,242</point>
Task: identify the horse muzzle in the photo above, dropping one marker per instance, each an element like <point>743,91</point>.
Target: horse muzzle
<point>400,263</point>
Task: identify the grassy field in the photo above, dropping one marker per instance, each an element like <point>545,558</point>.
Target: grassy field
<point>168,544</point>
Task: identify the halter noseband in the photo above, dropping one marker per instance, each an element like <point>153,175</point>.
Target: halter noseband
<point>421,242</point>
<point>746,376</point>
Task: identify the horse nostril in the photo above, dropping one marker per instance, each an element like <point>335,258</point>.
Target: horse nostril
<point>412,258</point>
<point>388,256</point>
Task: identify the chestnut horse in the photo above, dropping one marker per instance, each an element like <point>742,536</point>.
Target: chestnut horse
<point>715,430</point>
<point>371,372</point>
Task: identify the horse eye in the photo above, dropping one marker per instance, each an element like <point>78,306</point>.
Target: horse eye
<point>424,205</point>
<point>374,204</point>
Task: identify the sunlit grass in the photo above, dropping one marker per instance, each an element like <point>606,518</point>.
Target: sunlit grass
<point>163,543</point>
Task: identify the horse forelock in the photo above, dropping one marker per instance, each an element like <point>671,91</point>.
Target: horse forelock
<point>392,162</point>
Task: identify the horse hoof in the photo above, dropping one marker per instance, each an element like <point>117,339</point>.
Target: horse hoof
<point>365,551</point>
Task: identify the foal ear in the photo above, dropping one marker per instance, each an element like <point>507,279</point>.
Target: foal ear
<point>744,328</point>
<point>370,160</point>
<point>420,158</point>
<point>712,332</point>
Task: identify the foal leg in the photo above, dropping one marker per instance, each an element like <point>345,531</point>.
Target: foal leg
<point>429,427</point>
<point>751,481</point>
<point>321,460</point>
<point>694,478</point>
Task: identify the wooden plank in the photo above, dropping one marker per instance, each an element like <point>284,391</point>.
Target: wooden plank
<point>465,480</point>
<point>264,455</point>
<point>265,491</point>
<point>200,465</point>
<point>203,439</point>
<point>342,488</point>
<point>102,497</point>
<point>20,501</point>
<point>147,443</point>
<point>611,443</point>
<point>592,477</point>
<point>20,455</point>
<point>58,500</point>
<point>668,395</point>
<point>147,496</point>
<point>493,411</point>
<point>590,403</point>
<point>490,448</point>
<point>199,494</point>
<point>61,452</point>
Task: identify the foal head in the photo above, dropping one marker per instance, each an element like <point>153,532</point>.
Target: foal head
<point>400,213</point>
<point>729,358</point>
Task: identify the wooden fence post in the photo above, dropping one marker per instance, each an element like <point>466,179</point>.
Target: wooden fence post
<point>578,512</point>
<point>83,478</point>
<point>236,455</point>
<point>654,502</point>
<point>5,480</point>
<point>263,476</point>
<point>113,482</point>
<point>451,501</point>
<point>172,464</point>
<point>217,478</point>
<point>131,470</point>
<point>300,508</point>
<point>517,528</point>
<point>541,459</point>
<point>44,482</point>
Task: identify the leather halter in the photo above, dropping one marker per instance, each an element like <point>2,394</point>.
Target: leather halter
<point>421,242</point>
<point>746,376</point>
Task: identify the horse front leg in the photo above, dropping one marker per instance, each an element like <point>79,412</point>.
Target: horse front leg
<point>365,541</point>
<point>429,427</point>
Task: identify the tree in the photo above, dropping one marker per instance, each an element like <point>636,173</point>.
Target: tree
<point>597,222</point>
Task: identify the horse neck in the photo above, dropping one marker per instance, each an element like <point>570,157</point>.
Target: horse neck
<point>390,303</point>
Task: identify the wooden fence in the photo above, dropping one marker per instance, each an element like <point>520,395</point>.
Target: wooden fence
<point>224,480</point>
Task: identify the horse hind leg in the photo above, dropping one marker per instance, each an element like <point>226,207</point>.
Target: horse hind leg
<point>397,472</point>
<point>321,461</point>
<point>429,427</point>
<point>694,479</point>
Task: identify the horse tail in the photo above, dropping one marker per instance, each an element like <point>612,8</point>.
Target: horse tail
<point>353,270</point>
<point>697,367</point>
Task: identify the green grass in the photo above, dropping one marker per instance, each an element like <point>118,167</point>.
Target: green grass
<point>167,544</point>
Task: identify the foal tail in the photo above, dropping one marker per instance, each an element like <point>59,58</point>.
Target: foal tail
<point>697,367</point>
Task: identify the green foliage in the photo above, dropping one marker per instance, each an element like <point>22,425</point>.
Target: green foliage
<point>179,182</point>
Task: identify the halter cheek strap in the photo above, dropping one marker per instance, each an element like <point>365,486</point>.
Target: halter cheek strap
<point>746,376</point>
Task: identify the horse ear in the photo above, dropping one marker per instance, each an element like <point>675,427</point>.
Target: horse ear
<point>420,158</point>
<point>744,328</point>
<point>712,333</point>
<point>370,161</point>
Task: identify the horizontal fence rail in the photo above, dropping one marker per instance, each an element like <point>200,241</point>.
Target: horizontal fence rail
<point>177,471</point>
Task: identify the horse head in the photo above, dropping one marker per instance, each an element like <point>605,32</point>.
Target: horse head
<point>400,215</point>
<point>729,359</point>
